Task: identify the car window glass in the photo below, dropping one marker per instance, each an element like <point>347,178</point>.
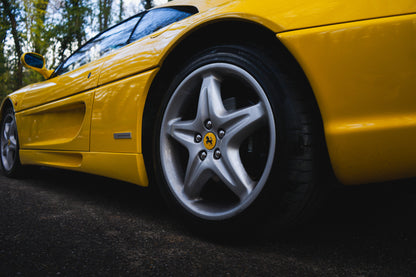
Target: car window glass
<point>101,45</point>
<point>159,18</point>
<point>113,39</point>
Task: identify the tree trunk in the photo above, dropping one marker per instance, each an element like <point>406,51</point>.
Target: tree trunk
<point>4,27</point>
<point>9,12</point>
<point>121,10</point>
<point>104,17</point>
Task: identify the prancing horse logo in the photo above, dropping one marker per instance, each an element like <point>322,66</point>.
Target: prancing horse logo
<point>210,140</point>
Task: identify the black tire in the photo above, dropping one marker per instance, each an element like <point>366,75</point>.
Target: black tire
<point>287,185</point>
<point>10,160</point>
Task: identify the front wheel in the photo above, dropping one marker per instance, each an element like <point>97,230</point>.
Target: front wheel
<point>227,137</point>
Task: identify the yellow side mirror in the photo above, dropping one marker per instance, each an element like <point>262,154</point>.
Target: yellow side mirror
<point>36,62</point>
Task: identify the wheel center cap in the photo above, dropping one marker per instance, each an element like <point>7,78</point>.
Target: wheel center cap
<point>210,140</point>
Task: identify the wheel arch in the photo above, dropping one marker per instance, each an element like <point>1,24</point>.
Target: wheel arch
<point>7,103</point>
<point>219,31</point>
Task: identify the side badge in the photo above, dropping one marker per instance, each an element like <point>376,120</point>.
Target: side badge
<point>122,135</point>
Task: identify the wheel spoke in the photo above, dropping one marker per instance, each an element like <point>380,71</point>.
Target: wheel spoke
<point>231,171</point>
<point>6,131</point>
<point>12,129</point>
<point>242,123</point>
<point>210,104</point>
<point>12,146</point>
<point>9,156</point>
<point>4,143</point>
<point>4,149</point>
<point>13,140</point>
<point>182,131</point>
<point>196,176</point>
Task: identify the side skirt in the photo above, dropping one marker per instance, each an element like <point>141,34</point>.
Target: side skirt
<point>120,166</point>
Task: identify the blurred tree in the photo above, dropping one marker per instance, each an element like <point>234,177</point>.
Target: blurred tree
<point>4,72</point>
<point>120,10</point>
<point>37,38</point>
<point>33,18</point>
<point>104,14</point>
<point>10,13</point>
<point>70,32</point>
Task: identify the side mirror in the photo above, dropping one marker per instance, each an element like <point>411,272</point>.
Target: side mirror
<point>36,62</point>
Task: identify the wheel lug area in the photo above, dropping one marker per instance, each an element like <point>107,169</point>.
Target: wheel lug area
<point>198,138</point>
<point>208,124</point>
<point>217,154</point>
<point>221,133</point>
<point>203,155</point>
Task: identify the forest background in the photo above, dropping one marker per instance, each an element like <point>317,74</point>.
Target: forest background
<point>53,28</point>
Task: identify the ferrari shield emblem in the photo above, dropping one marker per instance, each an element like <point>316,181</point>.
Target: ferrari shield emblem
<point>210,140</point>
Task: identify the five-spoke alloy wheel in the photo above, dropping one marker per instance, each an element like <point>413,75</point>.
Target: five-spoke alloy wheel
<point>217,141</point>
<point>9,144</point>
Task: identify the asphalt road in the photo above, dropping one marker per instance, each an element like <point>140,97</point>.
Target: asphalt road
<point>71,224</point>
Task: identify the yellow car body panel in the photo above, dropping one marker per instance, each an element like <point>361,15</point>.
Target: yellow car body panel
<point>363,75</point>
<point>350,52</point>
<point>118,109</point>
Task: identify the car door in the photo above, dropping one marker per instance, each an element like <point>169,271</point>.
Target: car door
<point>56,114</point>
<point>125,78</point>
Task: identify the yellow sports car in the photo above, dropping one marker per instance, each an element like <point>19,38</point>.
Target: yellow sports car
<point>238,111</point>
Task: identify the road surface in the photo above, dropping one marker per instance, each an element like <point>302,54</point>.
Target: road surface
<point>60,223</point>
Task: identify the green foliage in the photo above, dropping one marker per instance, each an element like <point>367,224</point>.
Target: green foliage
<point>35,11</point>
<point>74,19</point>
<point>11,14</point>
